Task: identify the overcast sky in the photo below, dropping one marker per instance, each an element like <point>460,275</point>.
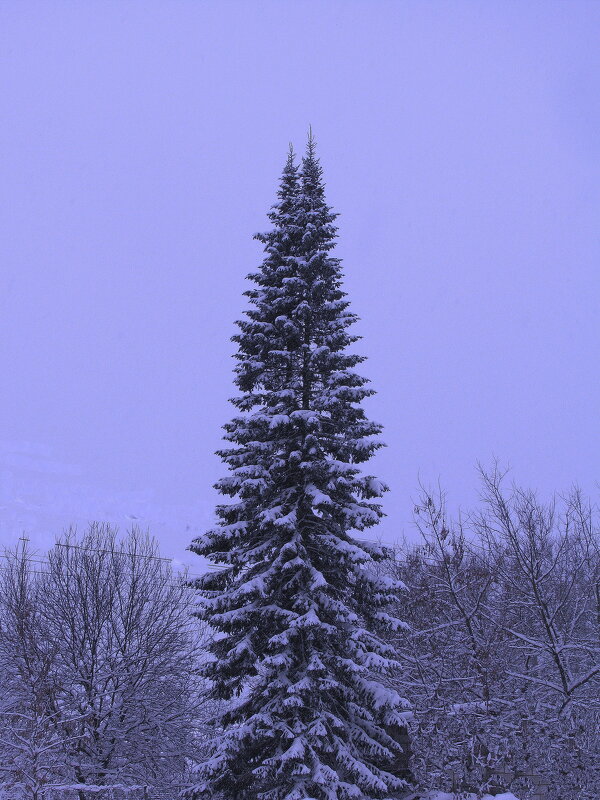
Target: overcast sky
<point>140,148</point>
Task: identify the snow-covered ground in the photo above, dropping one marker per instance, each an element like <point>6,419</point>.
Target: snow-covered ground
<point>446,796</point>
<point>41,496</point>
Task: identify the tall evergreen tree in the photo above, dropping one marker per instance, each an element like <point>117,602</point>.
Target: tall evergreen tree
<point>298,603</point>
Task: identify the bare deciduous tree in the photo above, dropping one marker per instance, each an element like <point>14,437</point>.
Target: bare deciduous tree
<point>502,653</point>
<point>31,737</point>
<point>105,651</point>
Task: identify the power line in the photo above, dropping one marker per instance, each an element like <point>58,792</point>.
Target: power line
<point>113,552</point>
<point>45,562</point>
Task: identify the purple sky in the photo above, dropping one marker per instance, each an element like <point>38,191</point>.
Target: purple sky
<point>141,144</point>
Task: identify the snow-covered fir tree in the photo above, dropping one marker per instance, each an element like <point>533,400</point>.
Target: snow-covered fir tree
<point>299,605</point>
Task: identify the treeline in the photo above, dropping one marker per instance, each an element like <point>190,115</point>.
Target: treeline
<point>500,655</point>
